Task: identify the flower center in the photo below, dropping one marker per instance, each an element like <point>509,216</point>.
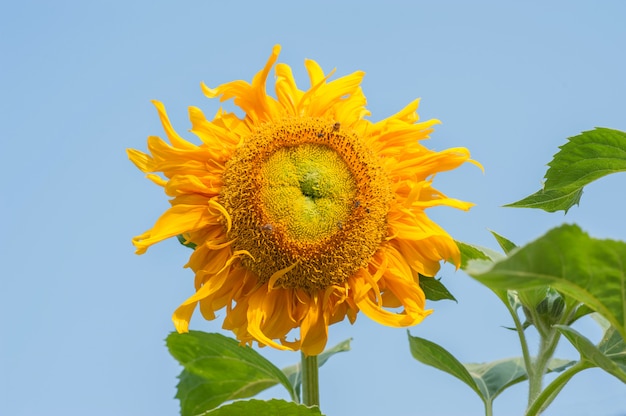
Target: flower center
<point>308,190</point>
<point>307,200</point>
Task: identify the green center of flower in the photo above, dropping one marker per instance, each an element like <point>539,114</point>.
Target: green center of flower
<point>311,184</point>
<point>308,190</point>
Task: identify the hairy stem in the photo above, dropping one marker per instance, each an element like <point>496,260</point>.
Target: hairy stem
<point>550,392</point>
<point>549,341</point>
<point>522,339</point>
<point>539,367</point>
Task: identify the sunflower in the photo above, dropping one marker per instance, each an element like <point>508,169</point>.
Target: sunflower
<point>301,212</point>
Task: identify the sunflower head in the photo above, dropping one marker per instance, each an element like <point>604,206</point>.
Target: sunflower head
<point>305,195</point>
<point>301,212</point>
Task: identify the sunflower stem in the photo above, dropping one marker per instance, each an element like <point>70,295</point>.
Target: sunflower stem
<point>550,392</point>
<point>310,381</point>
<point>528,362</point>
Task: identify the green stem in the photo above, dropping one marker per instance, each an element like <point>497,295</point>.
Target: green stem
<point>546,397</point>
<point>549,341</point>
<point>546,351</point>
<point>522,339</point>
<point>310,381</point>
<point>488,408</point>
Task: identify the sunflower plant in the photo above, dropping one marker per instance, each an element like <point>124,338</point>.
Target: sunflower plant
<point>302,212</point>
<point>549,284</point>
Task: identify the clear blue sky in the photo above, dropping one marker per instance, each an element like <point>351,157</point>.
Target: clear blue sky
<point>85,318</point>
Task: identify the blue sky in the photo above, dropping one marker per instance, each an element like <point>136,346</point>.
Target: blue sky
<point>85,318</point>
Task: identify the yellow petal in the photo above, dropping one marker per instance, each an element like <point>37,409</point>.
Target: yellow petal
<point>176,220</point>
<point>175,139</point>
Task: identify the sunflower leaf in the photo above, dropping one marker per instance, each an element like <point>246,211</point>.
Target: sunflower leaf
<point>589,270</point>
<point>581,310</point>
<point>264,408</point>
<point>475,256</point>
<point>294,374</point>
<point>218,369</point>
<point>488,380</point>
<point>472,253</point>
<point>505,244</point>
<point>496,376</point>
<point>434,355</point>
<point>182,240</point>
<point>434,289</point>
<point>585,158</point>
<point>609,354</point>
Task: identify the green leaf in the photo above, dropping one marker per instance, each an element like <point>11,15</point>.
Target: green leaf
<point>585,158</point>
<point>609,355</point>
<point>588,270</point>
<point>613,346</point>
<point>505,244</point>
<point>550,200</point>
<point>472,253</point>
<point>182,240</point>
<point>429,353</point>
<point>581,310</point>
<point>272,407</point>
<point>434,289</point>
<point>218,369</point>
<point>476,256</point>
<point>294,375</point>
<point>494,377</point>
<point>600,320</point>
<point>488,380</point>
